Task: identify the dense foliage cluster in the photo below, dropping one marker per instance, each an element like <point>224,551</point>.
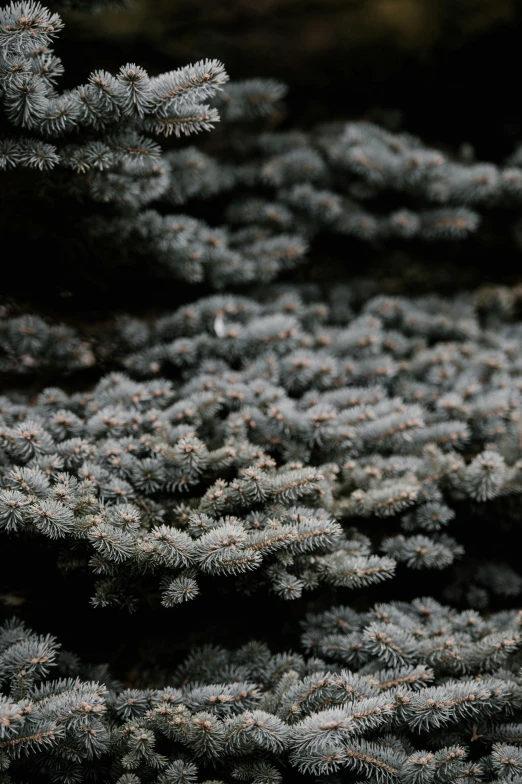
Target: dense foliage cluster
<point>279,425</point>
<point>285,188</point>
<point>401,693</point>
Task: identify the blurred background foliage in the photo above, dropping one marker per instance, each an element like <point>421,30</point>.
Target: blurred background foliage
<point>440,68</point>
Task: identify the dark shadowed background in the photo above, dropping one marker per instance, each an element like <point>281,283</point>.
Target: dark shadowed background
<point>447,69</point>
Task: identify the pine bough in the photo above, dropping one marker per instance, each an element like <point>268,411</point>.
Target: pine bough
<point>289,187</point>
<point>285,442</point>
<point>409,693</point>
<point>96,146</point>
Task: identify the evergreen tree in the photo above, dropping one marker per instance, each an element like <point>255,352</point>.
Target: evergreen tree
<point>315,445</point>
